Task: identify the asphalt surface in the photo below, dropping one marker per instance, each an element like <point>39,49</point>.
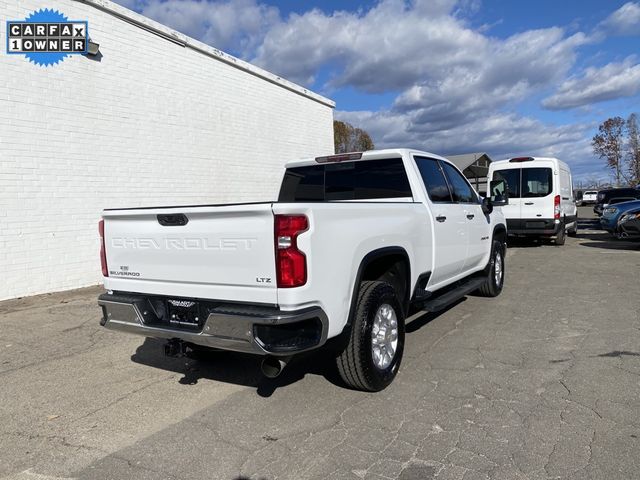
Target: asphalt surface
<point>541,382</point>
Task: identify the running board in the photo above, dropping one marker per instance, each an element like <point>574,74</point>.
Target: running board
<point>440,302</point>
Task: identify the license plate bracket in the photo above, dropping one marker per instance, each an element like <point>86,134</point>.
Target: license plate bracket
<point>184,313</point>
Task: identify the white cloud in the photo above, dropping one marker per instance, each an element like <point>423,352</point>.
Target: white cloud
<point>502,135</point>
<point>624,21</point>
<point>394,45</point>
<point>233,25</point>
<point>614,80</point>
<point>454,85</point>
<point>508,73</point>
<point>384,48</point>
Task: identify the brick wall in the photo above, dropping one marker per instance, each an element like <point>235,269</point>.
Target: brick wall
<point>153,122</point>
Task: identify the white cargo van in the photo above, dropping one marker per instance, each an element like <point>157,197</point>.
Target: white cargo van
<point>541,202</point>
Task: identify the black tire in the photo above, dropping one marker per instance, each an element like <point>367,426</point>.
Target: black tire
<point>493,286</point>
<point>356,363</point>
<point>562,235</point>
<point>574,231</point>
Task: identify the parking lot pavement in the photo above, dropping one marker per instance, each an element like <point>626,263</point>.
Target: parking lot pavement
<point>541,382</point>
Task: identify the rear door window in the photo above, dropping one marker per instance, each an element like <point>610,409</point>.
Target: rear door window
<point>536,182</point>
<point>512,177</point>
<point>434,180</point>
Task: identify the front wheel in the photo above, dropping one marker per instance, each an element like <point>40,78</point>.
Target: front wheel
<point>495,275</point>
<point>372,356</point>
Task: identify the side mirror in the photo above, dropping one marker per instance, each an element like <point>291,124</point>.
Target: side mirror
<point>499,192</point>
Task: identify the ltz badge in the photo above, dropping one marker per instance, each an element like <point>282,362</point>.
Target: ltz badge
<point>46,37</point>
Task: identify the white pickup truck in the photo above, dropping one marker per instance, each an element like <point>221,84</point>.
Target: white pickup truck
<point>353,244</point>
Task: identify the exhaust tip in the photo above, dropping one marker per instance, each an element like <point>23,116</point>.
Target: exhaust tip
<point>272,366</point>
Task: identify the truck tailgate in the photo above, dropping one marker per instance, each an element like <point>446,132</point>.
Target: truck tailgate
<point>213,252</point>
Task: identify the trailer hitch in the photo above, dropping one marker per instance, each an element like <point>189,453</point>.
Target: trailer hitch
<point>175,348</point>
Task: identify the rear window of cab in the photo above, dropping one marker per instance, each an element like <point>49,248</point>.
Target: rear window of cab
<point>362,180</point>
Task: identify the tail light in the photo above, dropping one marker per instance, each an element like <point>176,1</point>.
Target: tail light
<point>103,251</point>
<point>291,263</point>
<point>556,207</point>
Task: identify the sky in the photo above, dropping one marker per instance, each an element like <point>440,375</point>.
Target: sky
<point>509,77</point>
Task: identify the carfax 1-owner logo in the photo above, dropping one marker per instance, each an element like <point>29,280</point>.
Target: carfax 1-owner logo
<point>46,37</point>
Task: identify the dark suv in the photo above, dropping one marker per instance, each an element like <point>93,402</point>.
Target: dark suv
<point>604,197</point>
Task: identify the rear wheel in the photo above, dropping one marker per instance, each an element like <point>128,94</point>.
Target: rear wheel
<point>372,356</point>
<point>573,232</point>
<point>495,275</point>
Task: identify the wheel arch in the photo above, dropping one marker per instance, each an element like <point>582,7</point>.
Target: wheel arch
<point>499,233</point>
<point>390,264</point>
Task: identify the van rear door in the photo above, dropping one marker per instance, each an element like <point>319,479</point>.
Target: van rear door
<point>537,191</point>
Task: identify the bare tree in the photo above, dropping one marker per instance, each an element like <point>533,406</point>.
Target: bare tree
<point>633,148</point>
<point>592,182</point>
<point>608,144</point>
<point>347,138</point>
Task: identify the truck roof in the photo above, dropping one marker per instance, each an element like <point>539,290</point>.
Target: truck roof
<point>368,155</point>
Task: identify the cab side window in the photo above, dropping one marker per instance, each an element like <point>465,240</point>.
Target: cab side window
<point>434,180</point>
<point>462,191</point>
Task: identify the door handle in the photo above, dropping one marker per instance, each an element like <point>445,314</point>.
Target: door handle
<point>470,216</point>
<point>528,203</point>
<point>441,218</point>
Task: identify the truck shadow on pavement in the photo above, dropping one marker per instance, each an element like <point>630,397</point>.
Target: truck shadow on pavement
<point>244,369</point>
<point>236,368</point>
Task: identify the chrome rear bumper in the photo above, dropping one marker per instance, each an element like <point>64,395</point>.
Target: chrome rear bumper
<point>240,328</point>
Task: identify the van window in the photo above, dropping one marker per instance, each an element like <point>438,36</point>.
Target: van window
<point>512,177</point>
<point>536,182</point>
<point>363,180</point>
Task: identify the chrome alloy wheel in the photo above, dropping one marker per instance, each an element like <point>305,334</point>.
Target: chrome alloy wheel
<point>497,268</point>
<point>384,336</point>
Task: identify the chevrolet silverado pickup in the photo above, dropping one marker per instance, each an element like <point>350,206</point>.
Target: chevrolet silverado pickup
<point>353,245</point>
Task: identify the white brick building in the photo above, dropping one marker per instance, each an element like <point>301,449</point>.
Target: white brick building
<point>159,119</point>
